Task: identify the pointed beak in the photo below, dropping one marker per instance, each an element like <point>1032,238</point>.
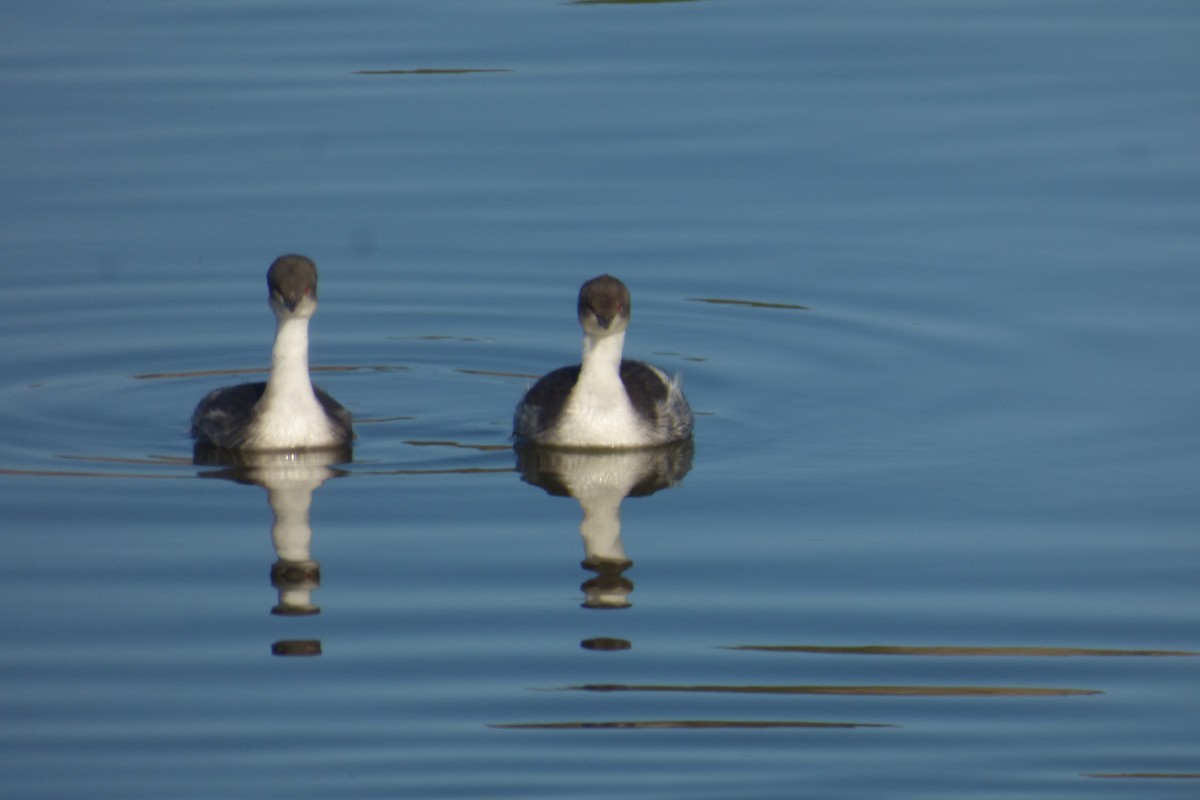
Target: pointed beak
<point>290,302</point>
<point>280,299</point>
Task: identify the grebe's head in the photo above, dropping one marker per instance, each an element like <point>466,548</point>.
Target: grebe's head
<point>292,282</point>
<point>604,306</point>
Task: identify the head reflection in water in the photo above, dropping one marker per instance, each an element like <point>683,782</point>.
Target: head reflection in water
<point>290,480</point>
<point>600,481</point>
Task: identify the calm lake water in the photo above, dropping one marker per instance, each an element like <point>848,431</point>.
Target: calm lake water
<point>930,274</point>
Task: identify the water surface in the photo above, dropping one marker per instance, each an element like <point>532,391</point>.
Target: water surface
<point>929,277</point>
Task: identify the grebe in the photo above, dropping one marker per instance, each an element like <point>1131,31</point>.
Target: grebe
<point>607,401</point>
<point>287,412</point>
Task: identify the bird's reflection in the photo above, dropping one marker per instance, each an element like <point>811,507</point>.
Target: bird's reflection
<point>600,481</point>
<point>290,479</point>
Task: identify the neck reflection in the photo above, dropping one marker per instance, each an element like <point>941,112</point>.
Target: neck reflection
<point>289,478</point>
<point>600,481</point>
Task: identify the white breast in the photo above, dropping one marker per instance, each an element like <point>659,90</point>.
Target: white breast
<point>598,414</point>
<point>292,420</point>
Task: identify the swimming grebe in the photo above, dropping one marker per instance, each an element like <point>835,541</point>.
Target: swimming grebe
<point>606,401</point>
<point>287,412</point>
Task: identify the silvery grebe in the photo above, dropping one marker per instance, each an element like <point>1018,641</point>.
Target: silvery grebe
<point>607,401</point>
<point>287,412</point>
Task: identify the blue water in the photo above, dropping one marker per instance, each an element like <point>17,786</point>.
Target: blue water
<point>928,273</point>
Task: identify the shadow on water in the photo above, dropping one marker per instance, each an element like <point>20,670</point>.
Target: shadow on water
<point>724,301</point>
<point>429,71</point>
<point>289,478</point>
<point>1022,652</point>
<point>209,373</point>
<point>601,481</point>
<point>64,473</point>
<point>857,691</point>
<point>873,690</point>
<point>624,2</point>
<point>1145,775</point>
<point>686,724</point>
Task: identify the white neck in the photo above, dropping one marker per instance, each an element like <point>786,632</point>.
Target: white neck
<point>289,358</point>
<point>291,416</point>
<point>602,355</point>
<point>598,412</point>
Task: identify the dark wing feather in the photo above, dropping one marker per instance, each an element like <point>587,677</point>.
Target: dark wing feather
<point>645,387</point>
<point>543,403</point>
<point>224,414</point>
<point>337,413</point>
<point>658,400</point>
